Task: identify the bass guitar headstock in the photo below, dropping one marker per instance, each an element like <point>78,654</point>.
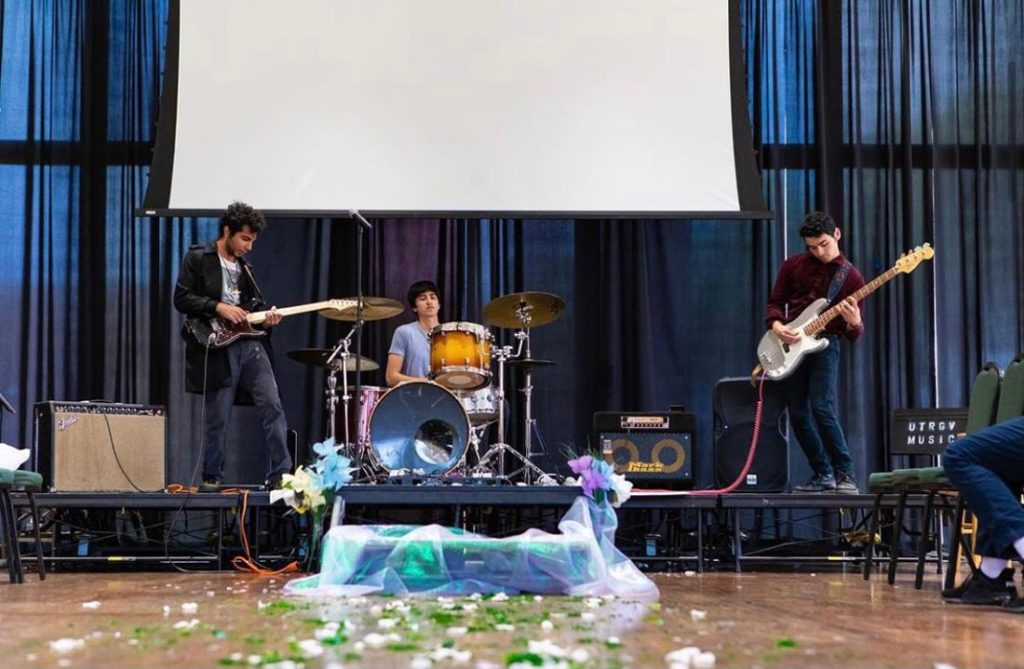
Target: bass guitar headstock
<point>909,261</point>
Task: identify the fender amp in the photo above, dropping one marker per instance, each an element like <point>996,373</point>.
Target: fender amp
<point>655,448</point>
<point>92,447</point>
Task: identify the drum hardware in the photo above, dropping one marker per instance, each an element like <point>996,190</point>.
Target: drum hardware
<point>522,311</point>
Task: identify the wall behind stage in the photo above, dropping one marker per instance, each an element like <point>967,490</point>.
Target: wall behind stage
<point>902,119</point>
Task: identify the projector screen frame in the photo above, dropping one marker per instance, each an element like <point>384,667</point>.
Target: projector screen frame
<point>748,181</point>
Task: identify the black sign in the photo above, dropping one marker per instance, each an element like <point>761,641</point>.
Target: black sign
<point>925,431</point>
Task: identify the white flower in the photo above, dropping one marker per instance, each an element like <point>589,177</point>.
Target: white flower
<point>682,657</point>
<point>186,624</point>
<point>505,627</point>
<point>500,597</point>
<point>613,641</point>
<point>698,615</point>
<point>456,631</point>
<point>579,656</point>
<point>547,647</point>
<point>387,623</point>
<point>66,645</point>
<point>311,648</point>
<point>188,608</point>
<point>91,605</point>
<point>594,602</point>
<point>420,662</point>
<point>167,610</point>
<point>623,489</point>
<point>587,616</point>
<point>547,625</point>
<point>705,660</point>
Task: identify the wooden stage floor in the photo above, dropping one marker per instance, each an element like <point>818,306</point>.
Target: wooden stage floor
<point>753,619</point>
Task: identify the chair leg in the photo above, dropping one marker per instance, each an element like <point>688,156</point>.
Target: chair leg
<point>869,550</point>
<point>897,529</point>
<point>11,538</point>
<point>922,545</point>
<point>954,544</point>
<point>40,563</point>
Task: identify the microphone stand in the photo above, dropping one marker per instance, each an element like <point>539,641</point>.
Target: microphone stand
<point>362,226</point>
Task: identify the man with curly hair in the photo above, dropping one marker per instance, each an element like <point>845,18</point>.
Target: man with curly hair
<point>217,282</point>
<point>822,271</point>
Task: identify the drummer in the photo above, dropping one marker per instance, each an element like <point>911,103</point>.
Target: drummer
<point>409,356</point>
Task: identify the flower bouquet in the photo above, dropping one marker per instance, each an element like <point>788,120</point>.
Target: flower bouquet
<point>315,487</point>
<point>599,480</point>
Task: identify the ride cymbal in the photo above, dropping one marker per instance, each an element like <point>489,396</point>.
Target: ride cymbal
<point>374,309</point>
<point>524,310</point>
<point>530,362</point>
<point>318,358</point>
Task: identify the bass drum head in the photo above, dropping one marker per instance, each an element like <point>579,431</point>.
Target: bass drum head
<point>420,427</point>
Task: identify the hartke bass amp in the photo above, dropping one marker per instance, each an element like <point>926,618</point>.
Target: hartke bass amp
<point>96,447</point>
<point>649,448</point>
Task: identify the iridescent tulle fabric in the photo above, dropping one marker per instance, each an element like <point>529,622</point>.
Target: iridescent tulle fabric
<point>434,560</point>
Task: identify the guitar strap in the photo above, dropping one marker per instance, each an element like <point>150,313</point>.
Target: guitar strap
<point>838,279</point>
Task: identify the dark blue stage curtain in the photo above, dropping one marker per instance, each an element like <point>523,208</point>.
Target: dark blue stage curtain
<point>903,118</point>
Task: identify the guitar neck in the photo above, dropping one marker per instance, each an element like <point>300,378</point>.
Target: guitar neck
<point>260,316</point>
<point>827,316</point>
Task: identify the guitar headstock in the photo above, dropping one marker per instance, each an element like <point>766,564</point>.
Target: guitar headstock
<point>909,261</point>
<point>340,305</point>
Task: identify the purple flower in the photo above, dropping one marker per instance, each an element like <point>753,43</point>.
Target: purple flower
<point>581,464</point>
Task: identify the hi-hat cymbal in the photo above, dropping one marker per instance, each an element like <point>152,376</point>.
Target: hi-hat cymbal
<point>530,362</point>
<point>524,310</point>
<point>318,358</point>
<point>374,309</point>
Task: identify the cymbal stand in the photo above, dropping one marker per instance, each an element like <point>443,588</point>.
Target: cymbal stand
<point>340,351</point>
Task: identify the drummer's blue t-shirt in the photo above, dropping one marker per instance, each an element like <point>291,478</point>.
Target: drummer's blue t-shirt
<point>414,346</point>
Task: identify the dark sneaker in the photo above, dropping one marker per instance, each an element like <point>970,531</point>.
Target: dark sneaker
<point>1014,605</point>
<point>210,485</point>
<point>845,485</point>
<point>980,590</point>
<point>818,483</point>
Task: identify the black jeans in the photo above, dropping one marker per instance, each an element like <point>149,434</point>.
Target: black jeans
<point>250,370</point>
<point>810,397</point>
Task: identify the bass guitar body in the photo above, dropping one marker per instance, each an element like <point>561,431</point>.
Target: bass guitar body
<point>779,359</point>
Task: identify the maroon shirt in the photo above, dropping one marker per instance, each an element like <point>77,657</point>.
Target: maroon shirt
<point>803,279</point>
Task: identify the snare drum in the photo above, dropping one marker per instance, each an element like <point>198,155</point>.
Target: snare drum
<point>358,416</point>
<point>418,427</point>
<point>460,355</point>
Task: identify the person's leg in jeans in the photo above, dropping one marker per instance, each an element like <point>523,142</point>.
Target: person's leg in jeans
<point>217,413</point>
<point>795,391</point>
<point>987,468</point>
<point>257,377</point>
<point>823,372</point>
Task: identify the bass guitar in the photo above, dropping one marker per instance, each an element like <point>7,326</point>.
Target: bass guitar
<point>779,359</point>
<point>218,333</point>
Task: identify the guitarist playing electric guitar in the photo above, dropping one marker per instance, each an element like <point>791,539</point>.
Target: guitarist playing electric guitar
<point>217,283</point>
<point>810,389</point>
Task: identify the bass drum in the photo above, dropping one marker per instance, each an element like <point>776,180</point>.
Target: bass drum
<point>419,428</point>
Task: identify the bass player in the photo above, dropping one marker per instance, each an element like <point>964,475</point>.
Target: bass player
<point>822,271</point>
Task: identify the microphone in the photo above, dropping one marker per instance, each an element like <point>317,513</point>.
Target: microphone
<point>354,213</point>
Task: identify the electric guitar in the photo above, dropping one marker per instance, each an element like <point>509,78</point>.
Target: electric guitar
<point>218,333</point>
<point>779,359</point>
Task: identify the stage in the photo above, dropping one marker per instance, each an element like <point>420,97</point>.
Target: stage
<point>660,530</point>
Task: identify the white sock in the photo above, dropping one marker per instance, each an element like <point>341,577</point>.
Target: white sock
<point>992,567</point>
<point>1018,545</point>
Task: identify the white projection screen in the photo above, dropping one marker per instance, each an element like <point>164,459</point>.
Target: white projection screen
<point>576,108</point>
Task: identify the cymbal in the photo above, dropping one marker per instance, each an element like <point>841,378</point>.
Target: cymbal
<point>530,362</point>
<point>318,358</point>
<point>374,309</point>
<point>524,310</point>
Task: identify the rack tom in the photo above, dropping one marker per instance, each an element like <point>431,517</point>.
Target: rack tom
<point>460,355</point>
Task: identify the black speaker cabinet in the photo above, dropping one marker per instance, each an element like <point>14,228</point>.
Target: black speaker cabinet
<point>649,448</point>
<point>93,447</point>
<point>735,404</point>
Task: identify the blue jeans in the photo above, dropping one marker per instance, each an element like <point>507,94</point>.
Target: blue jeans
<point>987,468</point>
<point>251,371</point>
<point>810,398</point>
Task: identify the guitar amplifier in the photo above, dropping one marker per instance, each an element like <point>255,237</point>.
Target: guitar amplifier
<point>91,447</point>
<point>649,448</point>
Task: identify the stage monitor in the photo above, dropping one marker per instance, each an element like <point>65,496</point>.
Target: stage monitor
<point>475,108</point>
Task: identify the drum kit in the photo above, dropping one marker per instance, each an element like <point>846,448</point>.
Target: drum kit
<point>428,428</point>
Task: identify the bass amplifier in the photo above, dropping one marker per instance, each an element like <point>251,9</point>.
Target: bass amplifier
<point>91,447</point>
<point>655,448</point>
